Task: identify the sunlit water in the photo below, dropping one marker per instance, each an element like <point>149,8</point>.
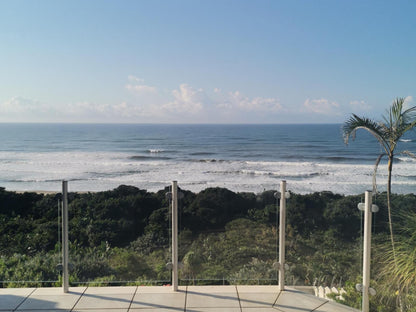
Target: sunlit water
<point>239,157</point>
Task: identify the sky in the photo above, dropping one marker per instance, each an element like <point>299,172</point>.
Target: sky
<point>211,61</point>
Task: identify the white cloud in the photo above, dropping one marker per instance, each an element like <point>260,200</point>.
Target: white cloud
<point>143,103</point>
<point>256,104</point>
<point>321,106</point>
<point>131,110</point>
<point>191,101</point>
<point>360,105</point>
<point>127,110</point>
<point>141,88</point>
<point>407,101</point>
<point>122,109</point>
<point>22,105</point>
<point>136,85</point>
<point>87,108</point>
<point>119,111</point>
<point>187,99</point>
<point>237,101</point>
<point>135,79</point>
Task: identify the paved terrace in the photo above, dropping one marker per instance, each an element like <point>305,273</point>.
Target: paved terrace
<point>163,299</point>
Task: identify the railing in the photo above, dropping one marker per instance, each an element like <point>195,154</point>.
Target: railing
<point>194,244</point>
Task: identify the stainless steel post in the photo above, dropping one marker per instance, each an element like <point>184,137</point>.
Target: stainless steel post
<point>367,250</point>
<point>174,235</point>
<point>65,273</point>
<point>282,238</point>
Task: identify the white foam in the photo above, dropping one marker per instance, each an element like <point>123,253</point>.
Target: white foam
<point>406,159</point>
<point>97,171</point>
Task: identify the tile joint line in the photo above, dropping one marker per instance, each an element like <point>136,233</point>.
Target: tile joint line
<point>238,297</point>
<point>320,306</point>
<point>186,297</point>
<point>72,309</point>
<point>280,292</point>
<point>27,297</point>
<point>132,298</point>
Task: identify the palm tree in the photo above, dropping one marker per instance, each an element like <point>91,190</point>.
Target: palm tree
<point>388,133</point>
<point>399,269</point>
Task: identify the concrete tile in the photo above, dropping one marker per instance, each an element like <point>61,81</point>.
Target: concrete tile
<point>258,289</point>
<point>305,289</point>
<point>104,301</point>
<point>332,306</point>
<point>296,301</point>
<point>11,298</point>
<point>212,289</point>
<point>47,291</point>
<point>159,300</point>
<point>256,299</point>
<point>116,290</point>
<point>46,310</point>
<point>57,301</point>
<point>211,297</point>
<point>157,310</point>
<point>269,309</point>
<point>222,309</point>
<point>10,302</point>
<point>24,292</point>
<point>158,289</point>
<point>101,310</point>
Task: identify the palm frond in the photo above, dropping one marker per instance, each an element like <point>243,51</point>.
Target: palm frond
<point>396,109</point>
<point>410,114</point>
<point>355,123</point>
<point>409,120</point>
<point>408,225</point>
<point>403,120</point>
<point>399,267</point>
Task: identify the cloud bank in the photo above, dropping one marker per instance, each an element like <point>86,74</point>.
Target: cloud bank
<point>360,105</point>
<point>22,105</point>
<point>137,85</point>
<point>141,102</point>
<point>321,106</point>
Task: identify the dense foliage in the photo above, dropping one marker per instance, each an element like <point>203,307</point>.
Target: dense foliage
<point>123,236</point>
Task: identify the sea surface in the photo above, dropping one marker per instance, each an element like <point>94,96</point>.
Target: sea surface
<point>97,157</point>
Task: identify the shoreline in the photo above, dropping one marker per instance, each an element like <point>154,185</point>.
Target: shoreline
<point>49,192</point>
<point>43,192</point>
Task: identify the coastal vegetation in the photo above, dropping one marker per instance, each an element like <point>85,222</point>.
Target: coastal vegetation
<point>122,236</point>
<point>388,133</point>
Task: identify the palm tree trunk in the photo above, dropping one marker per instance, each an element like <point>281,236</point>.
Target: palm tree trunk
<point>390,168</point>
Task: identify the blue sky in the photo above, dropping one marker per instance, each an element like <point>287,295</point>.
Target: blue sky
<point>209,61</point>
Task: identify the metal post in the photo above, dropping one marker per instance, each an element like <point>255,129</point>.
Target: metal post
<point>282,232</point>
<point>65,274</point>
<point>367,250</point>
<point>174,235</point>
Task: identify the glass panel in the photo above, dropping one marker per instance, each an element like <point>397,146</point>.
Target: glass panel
<point>323,245</point>
<point>228,238</point>
<point>29,247</point>
<point>123,237</point>
<point>119,237</point>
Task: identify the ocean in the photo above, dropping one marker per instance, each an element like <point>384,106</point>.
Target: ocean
<point>253,158</point>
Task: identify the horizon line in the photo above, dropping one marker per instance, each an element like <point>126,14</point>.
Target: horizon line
<point>164,123</point>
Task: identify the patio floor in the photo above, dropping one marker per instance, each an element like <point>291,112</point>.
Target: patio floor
<point>160,298</point>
